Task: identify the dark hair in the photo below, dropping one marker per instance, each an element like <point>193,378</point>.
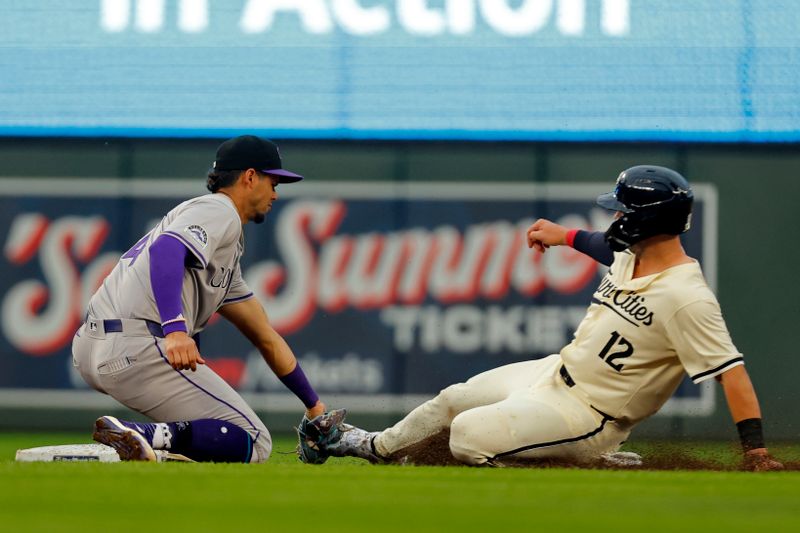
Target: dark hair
<point>217,179</point>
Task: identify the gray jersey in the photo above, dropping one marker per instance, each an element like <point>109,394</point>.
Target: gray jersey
<point>210,228</point>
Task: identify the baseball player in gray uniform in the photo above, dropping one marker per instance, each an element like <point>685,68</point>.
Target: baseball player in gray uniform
<point>136,343</point>
<point>652,320</point>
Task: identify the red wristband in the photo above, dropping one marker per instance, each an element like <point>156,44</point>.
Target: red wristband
<point>570,238</point>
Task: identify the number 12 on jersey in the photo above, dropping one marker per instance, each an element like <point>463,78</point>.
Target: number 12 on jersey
<point>616,341</point>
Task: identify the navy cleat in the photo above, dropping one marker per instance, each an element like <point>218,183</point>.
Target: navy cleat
<point>129,444</point>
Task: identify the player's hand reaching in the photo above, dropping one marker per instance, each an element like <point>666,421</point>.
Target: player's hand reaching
<point>182,351</point>
<point>759,460</point>
<point>543,234</point>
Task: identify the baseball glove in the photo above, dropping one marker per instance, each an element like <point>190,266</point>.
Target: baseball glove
<point>316,434</point>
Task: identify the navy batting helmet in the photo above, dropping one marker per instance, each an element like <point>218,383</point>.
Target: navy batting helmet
<point>653,201</point>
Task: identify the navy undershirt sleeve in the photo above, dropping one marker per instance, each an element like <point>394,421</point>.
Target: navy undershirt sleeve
<point>593,244</point>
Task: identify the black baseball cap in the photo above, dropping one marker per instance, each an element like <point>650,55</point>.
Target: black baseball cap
<point>249,151</point>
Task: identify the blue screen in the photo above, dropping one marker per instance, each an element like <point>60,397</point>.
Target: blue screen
<point>577,70</point>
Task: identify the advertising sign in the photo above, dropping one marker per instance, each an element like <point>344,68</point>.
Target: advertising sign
<point>388,291</point>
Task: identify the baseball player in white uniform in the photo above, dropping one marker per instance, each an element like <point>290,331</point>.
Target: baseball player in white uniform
<point>652,319</point>
<point>137,341</point>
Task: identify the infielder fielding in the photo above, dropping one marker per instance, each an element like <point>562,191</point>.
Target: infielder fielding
<point>136,343</point>
<point>652,318</point>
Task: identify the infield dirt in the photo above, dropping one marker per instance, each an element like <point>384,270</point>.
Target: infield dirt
<point>655,456</point>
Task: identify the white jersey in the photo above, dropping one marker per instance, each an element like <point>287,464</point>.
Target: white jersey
<point>640,335</point>
<point>210,228</point>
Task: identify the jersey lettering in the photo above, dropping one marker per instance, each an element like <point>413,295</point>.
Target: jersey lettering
<point>136,250</point>
<point>624,303</point>
<point>223,278</point>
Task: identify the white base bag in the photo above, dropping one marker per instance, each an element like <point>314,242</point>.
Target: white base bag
<point>85,452</point>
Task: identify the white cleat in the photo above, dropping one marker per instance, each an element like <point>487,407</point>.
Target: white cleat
<point>129,444</point>
<point>355,442</point>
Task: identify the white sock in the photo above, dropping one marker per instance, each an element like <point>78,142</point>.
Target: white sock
<point>162,437</point>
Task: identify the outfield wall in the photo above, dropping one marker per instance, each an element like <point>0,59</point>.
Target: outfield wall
<point>388,189</point>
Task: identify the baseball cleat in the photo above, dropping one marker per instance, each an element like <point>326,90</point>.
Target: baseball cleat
<point>129,444</point>
<point>354,442</point>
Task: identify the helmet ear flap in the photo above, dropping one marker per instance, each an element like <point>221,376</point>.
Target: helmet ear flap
<point>627,230</point>
<point>615,238</point>
<point>634,227</point>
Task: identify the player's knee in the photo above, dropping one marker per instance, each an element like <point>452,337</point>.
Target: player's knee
<point>465,442</point>
<point>262,448</point>
<point>451,399</point>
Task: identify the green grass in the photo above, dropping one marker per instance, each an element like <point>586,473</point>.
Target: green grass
<point>349,495</point>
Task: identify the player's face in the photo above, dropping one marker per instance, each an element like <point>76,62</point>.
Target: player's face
<point>262,197</point>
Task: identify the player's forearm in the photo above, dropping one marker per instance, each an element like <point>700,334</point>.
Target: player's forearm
<point>281,360</point>
<point>740,394</point>
<point>277,354</point>
<point>283,363</point>
<point>746,413</point>
<point>251,319</point>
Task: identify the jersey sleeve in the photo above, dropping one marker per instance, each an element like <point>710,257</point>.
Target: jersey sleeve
<point>239,291</point>
<point>702,340</point>
<point>203,227</point>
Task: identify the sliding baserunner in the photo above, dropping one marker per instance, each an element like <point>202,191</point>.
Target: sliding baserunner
<point>652,320</point>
